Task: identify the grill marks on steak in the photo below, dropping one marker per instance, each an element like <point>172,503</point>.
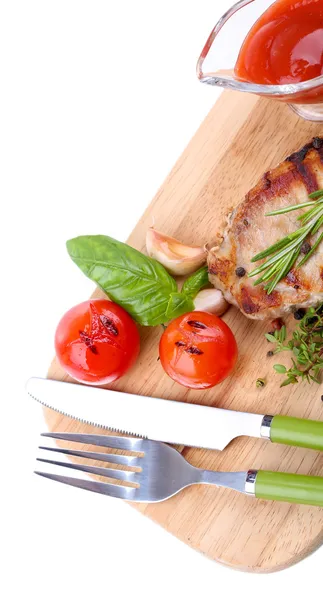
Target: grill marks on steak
<point>249,231</point>
<point>304,167</point>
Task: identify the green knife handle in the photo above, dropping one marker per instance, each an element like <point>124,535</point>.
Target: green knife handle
<point>297,432</point>
<point>287,487</point>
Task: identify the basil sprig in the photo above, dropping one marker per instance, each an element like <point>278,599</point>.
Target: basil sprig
<point>196,282</point>
<point>138,283</point>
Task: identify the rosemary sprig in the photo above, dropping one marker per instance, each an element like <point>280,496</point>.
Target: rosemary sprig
<point>282,255</point>
<point>306,346</point>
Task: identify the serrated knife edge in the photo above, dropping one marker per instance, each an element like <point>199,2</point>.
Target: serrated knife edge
<point>65,414</point>
<point>163,420</point>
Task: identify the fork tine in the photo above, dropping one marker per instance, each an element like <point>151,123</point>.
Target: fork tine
<point>119,459</point>
<point>108,489</point>
<point>113,473</point>
<point>108,441</point>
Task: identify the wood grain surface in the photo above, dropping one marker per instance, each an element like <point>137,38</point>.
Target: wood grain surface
<point>241,138</point>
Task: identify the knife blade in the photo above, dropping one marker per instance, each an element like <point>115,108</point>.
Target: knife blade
<point>162,420</point>
<point>168,420</point>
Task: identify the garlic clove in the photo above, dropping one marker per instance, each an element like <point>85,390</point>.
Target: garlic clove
<point>176,257</point>
<point>212,301</point>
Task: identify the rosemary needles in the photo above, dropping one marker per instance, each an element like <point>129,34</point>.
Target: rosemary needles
<point>282,255</point>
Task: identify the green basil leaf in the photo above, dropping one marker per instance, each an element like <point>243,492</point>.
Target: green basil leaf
<point>178,304</point>
<point>196,282</point>
<point>138,283</point>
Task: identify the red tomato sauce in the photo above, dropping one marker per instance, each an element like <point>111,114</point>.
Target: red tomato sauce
<point>285,45</point>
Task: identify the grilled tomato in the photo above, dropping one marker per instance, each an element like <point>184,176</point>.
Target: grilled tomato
<point>198,350</point>
<point>96,342</point>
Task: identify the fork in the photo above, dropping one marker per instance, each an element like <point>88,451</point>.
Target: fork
<point>162,472</point>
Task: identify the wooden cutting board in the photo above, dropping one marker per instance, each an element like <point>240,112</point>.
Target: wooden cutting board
<point>241,138</point>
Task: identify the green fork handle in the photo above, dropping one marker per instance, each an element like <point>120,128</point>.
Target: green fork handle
<point>286,487</point>
<point>297,432</point>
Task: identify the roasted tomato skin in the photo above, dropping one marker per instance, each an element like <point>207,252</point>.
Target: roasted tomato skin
<point>96,342</point>
<point>198,350</point>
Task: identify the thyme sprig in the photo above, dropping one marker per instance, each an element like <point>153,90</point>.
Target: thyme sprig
<point>282,255</point>
<point>306,345</point>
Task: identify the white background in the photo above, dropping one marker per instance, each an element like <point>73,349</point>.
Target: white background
<point>98,99</point>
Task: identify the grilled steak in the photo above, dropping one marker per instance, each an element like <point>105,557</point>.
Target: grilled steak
<point>249,232</point>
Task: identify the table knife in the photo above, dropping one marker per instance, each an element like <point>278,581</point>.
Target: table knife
<point>170,421</point>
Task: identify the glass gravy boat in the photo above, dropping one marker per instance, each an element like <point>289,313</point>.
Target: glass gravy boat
<point>215,65</point>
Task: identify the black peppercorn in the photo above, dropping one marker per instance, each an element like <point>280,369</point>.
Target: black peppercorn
<point>306,248</point>
<point>317,143</point>
<point>299,314</point>
<point>270,353</point>
<point>240,272</point>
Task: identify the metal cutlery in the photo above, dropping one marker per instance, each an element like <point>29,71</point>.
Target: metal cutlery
<point>162,472</point>
<point>169,421</point>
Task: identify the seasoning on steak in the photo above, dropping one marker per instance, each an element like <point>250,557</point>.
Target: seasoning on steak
<point>249,232</point>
